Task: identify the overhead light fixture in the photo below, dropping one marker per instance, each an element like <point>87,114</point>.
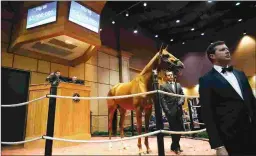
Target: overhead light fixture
<point>113,22</point>
<point>177,21</point>
<point>244,33</point>
<point>240,20</point>
<point>100,29</point>
<point>211,43</point>
<point>202,34</point>
<point>144,4</point>
<point>171,40</point>
<point>156,36</point>
<point>238,3</point>
<point>183,42</point>
<point>135,31</point>
<point>192,29</point>
<point>127,14</point>
<point>68,42</point>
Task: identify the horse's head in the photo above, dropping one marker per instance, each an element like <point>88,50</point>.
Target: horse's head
<point>169,62</point>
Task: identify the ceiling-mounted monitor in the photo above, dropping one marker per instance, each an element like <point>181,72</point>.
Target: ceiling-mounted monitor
<point>83,16</point>
<point>42,14</point>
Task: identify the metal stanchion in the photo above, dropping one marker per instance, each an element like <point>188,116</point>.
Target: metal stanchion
<point>132,123</point>
<point>159,118</point>
<point>51,115</point>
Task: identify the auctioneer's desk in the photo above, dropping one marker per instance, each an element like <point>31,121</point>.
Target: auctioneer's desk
<point>72,117</point>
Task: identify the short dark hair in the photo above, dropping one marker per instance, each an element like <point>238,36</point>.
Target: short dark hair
<point>211,48</point>
<point>56,71</point>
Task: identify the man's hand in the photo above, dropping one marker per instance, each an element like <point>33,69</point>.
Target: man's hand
<point>221,151</point>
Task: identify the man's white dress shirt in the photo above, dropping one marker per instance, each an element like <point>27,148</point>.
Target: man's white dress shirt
<point>231,78</point>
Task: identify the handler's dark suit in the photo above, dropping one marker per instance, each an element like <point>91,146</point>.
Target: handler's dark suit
<point>229,118</point>
<point>172,107</point>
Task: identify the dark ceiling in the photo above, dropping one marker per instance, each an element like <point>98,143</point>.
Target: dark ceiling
<point>159,18</point>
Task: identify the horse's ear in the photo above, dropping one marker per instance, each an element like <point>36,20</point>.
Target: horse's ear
<point>160,51</point>
<point>166,47</point>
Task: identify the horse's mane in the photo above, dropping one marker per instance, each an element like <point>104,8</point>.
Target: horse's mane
<point>149,65</point>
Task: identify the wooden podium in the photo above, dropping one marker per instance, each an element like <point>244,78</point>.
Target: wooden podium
<point>72,118</point>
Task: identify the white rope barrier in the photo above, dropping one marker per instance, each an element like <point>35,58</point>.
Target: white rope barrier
<point>199,123</point>
<point>182,132</point>
<point>177,95</point>
<point>22,142</point>
<point>196,106</point>
<point>23,103</point>
<point>102,141</point>
<point>106,97</point>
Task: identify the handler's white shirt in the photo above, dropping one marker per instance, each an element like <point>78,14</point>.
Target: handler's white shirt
<point>231,78</point>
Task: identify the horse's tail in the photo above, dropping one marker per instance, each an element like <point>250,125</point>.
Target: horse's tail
<point>114,121</point>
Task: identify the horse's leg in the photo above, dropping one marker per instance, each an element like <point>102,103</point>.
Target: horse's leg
<point>148,112</point>
<point>139,126</point>
<point>111,110</point>
<point>121,124</point>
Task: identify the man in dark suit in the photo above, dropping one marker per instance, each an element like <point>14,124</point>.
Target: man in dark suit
<point>228,106</point>
<point>172,107</point>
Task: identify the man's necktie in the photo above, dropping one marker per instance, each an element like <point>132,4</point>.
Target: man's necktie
<point>224,70</point>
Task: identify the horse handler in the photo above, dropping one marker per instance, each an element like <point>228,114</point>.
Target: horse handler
<point>172,107</point>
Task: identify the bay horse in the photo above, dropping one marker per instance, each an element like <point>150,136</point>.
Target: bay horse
<point>162,61</point>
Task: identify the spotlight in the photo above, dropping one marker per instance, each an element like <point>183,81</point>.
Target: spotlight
<point>68,42</point>
<point>100,29</point>
<point>156,36</point>
<point>192,29</point>
<point>183,42</point>
<point>178,21</point>
<point>202,34</point>
<point>238,3</point>
<point>244,33</point>
<point>211,43</point>
<point>171,40</point>
<point>144,4</point>
<point>127,14</point>
<point>113,22</point>
<point>240,20</point>
<point>209,1</point>
<point>135,31</point>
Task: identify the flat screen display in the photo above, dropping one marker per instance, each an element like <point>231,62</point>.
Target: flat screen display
<point>43,14</point>
<point>83,16</point>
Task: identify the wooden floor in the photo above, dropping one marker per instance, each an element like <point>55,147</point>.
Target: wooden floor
<point>190,147</point>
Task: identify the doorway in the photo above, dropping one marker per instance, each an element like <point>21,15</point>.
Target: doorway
<point>15,85</point>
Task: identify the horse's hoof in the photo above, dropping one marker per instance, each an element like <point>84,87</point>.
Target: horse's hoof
<point>125,148</point>
<point>149,151</point>
<point>140,152</point>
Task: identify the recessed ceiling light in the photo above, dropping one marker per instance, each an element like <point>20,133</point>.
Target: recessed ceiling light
<point>171,40</point>
<point>178,21</point>
<point>211,43</point>
<point>68,42</point>
<point>135,31</point>
<point>244,33</point>
<point>144,4</point>
<point>192,29</point>
<point>156,35</point>
<point>238,3</point>
<point>100,29</point>
<point>240,20</point>
<point>183,42</point>
<point>113,22</point>
<point>126,14</point>
<point>202,34</point>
